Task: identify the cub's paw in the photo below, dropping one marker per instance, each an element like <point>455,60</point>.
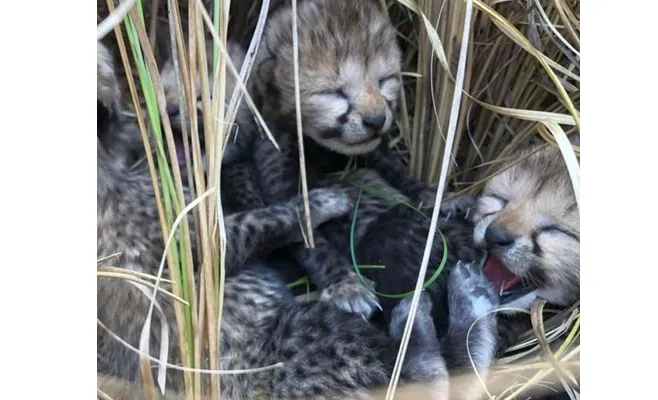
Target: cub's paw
<point>351,295</point>
<point>426,198</point>
<point>463,203</point>
<point>327,203</point>
<point>470,294</point>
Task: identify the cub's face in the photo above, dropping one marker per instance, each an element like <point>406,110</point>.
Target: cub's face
<point>528,220</point>
<point>242,125</point>
<point>349,63</point>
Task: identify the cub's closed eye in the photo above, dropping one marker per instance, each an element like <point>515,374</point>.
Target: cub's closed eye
<point>502,204</point>
<point>333,93</point>
<point>557,230</point>
<point>551,229</point>
<point>502,200</point>
<point>387,79</point>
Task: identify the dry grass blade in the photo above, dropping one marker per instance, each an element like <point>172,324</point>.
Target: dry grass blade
<point>569,156</point>
<point>558,325</point>
<point>411,74</point>
<point>431,32</point>
<point>568,19</point>
<point>504,25</point>
<point>536,314</point>
<point>114,19</point>
<point>149,74</point>
<point>144,342</point>
<point>236,74</point>
<point>551,26</point>
<point>249,59</point>
<point>181,72</point>
<point>225,59</point>
<point>210,276</point>
<point>454,115</point>
<point>102,395</point>
<point>513,84</point>
<point>106,258</point>
<point>300,136</point>
<point>147,325</point>
<point>537,365</point>
<point>214,296</point>
<point>128,277</point>
<point>158,197</point>
<point>549,138</point>
<point>515,392</point>
<point>495,387</point>
<point>529,115</point>
<point>131,272</point>
<point>207,250</point>
<point>514,34</point>
<point>162,106</point>
<point>546,62</point>
<point>182,368</point>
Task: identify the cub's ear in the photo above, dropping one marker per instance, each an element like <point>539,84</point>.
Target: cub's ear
<point>108,93</point>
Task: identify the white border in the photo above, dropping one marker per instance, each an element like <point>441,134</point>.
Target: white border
<point>619,159</point>
<point>48,275</point>
<point>48,278</point>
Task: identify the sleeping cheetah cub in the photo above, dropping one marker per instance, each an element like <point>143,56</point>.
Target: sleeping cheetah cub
<point>326,352</point>
<point>528,220</point>
<point>349,63</point>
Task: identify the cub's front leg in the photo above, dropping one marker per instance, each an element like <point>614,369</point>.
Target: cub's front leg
<point>259,230</point>
<point>472,332</point>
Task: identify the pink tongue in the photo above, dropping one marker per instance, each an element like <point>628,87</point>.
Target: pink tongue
<point>500,276</point>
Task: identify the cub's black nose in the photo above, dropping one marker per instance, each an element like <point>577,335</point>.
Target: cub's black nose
<point>374,121</point>
<point>496,235</point>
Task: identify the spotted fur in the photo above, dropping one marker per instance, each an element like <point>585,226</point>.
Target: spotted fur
<point>327,352</point>
<point>346,50</point>
<point>389,234</point>
<point>393,235</point>
<point>349,63</point>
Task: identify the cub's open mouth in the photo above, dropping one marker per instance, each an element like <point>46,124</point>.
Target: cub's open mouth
<point>509,286</point>
<point>174,115</point>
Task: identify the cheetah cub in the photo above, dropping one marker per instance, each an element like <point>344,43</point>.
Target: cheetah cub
<point>349,65</point>
<point>326,352</point>
<point>528,220</point>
